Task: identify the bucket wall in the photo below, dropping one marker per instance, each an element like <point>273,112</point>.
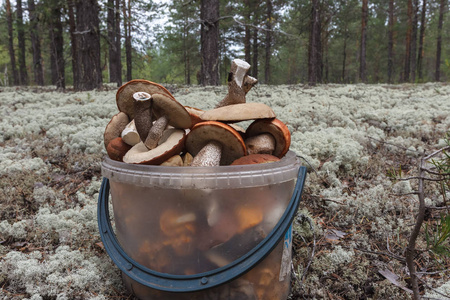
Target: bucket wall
<point>190,220</point>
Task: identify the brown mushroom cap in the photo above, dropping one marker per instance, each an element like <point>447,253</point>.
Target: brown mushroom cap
<point>255,159</point>
<point>117,148</point>
<point>239,112</point>
<point>277,129</point>
<point>115,127</point>
<point>233,145</point>
<point>164,105</point>
<point>171,143</point>
<point>124,95</point>
<point>195,114</point>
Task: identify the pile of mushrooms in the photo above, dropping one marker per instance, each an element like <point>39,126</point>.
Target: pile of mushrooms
<point>153,128</point>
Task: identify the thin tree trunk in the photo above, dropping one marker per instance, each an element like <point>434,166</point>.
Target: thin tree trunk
<point>247,33</point>
<point>23,74</point>
<point>362,58</point>
<point>407,69</point>
<point>344,56</point>
<point>12,55</point>
<point>314,46</point>
<point>127,30</point>
<point>414,39</point>
<point>209,38</point>
<point>111,28</point>
<point>118,51</point>
<point>255,44</point>
<point>421,39</point>
<point>56,46</point>
<point>390,69</point>
<point>268,45</point>
<point>88,31</point>
<point>35,44</point>
<point>439,41</point>
<point>74,44</point>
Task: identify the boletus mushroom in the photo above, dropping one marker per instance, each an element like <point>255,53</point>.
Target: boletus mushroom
<point>239,83</point>
<point>170,144</point>
<point>239,112</point>
<point>167,111</point>
<point>214,143</point>
<point>268,136</point>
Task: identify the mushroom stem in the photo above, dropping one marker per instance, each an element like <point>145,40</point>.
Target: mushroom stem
<point>208,156</point>
<point>260,144</point>
<point>143,107</point>
<point>155,132</point>
<point>249,82</point>
<point>236,91</point>
<point>130,134</point>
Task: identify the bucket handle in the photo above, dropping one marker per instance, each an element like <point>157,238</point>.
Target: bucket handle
<point>200,281</point>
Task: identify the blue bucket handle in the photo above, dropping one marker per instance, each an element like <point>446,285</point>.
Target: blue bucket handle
<point>200,281</point>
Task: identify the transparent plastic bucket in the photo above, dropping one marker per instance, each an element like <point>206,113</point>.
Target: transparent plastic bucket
<point>202,232</point>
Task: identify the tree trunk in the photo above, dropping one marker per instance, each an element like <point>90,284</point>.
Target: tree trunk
<point>414,39</point>
<point>390,68</point>
<point>111,21</point>
<point>23,74</point>
<point>35,44</point>
<point>247,32</point>
<point>269,34</point>
<point>344,55</point>
<point>255,44</point>
<point>407,69</point>
<point>362,57</point>
<point>127,30</point>
<point>421,38</point>
<point>209,39</point>
<point>56,46</point>
<point>314,46</point>
<point>74,43</point>
<point>12,55</point>
<point>439,41</point>
<point>88,36</point>
<point>118,45</point>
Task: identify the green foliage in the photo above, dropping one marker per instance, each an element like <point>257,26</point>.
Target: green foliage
<point>438,240</point>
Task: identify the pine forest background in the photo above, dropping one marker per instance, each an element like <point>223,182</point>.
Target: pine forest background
<point>83,44</point>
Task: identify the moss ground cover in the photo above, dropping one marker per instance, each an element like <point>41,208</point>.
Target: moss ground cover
<point>351,137</point>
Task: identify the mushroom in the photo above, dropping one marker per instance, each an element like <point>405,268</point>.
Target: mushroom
<point>268,136</point>
<point>124,95</point>
<point>174,161</point>
<point>214,143</point>
<point>239,83</point>
<point>170,144</point>
<point>117,148</point>
<point>115,126</point>
<point>239,112</point>
<point>255,159</point>
<point>195,114</point>
<point>130,134</point>
<point>167,111</point>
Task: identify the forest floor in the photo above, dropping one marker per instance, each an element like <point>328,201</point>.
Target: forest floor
<point>351,230</point>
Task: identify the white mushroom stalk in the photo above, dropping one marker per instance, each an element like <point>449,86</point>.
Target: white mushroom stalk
<point>208,156</point>
<point>130,134</point>
<point>261,144</point>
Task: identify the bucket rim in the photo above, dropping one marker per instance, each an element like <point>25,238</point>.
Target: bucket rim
<point>221,177</point>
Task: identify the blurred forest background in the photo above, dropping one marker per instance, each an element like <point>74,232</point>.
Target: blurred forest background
<point>85,43</point>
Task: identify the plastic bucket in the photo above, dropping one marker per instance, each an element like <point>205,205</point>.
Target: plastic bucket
<point>202,233</point>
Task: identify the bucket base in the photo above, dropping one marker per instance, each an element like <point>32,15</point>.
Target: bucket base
<point>268,280</point>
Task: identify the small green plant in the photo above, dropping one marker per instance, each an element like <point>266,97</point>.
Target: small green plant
<point>438,239</point>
